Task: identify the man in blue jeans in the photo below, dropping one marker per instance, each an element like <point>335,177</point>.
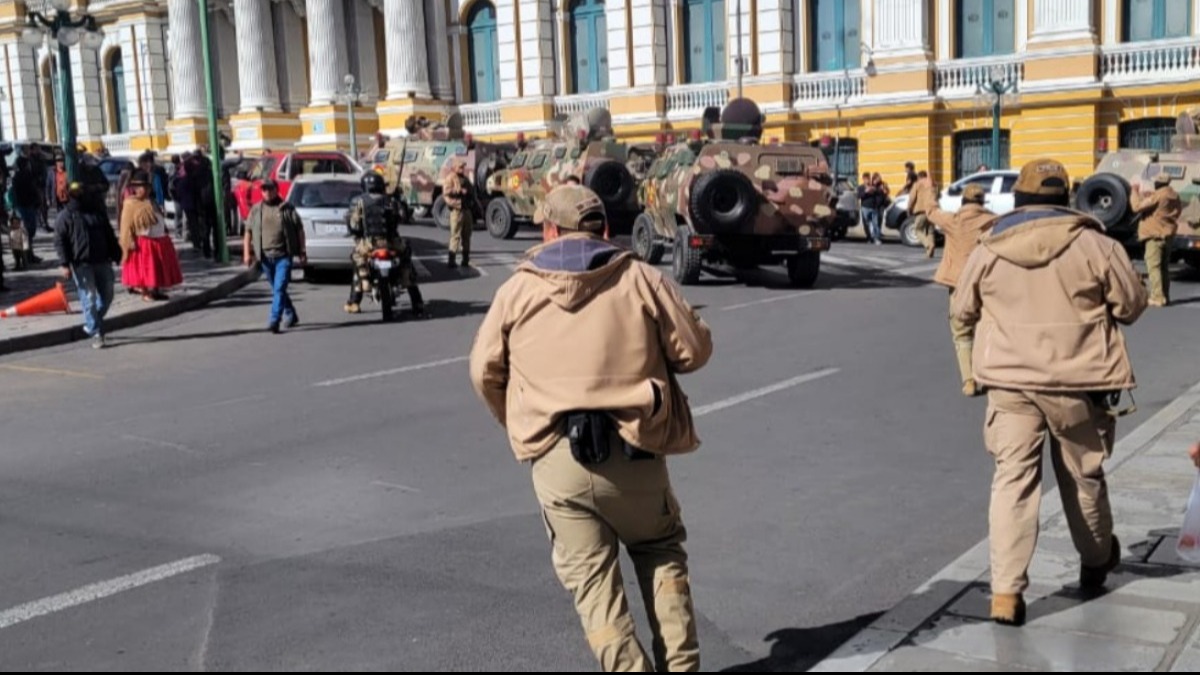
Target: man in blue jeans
<point>275,237</point>
<point>87,248</point>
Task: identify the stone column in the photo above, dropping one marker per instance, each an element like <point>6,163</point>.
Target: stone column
<point>327,59</point>
<point>257,76</point>
<point>440,50</point>
<point>901,28</point>
<point>187,67</point>
<point>1059,20</point>
<point>407,58</point>
<point>20,109</point>
<point>85,70</point>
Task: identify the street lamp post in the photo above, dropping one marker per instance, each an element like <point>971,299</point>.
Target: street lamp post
<point>843,99</point>
<point>351,96</point>
<point>997,90</point>
<point>214,138</point>
<point>65,31</point>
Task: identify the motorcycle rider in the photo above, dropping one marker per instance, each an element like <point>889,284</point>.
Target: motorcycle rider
<point>373,221</point>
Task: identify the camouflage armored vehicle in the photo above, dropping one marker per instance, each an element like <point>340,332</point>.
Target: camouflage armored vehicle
<point>415,166</point>
<point>583,147</point>
<point>722,197</point>
<point>1106,194</point>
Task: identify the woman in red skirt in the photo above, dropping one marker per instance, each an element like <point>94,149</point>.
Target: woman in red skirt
<point>149,263</point>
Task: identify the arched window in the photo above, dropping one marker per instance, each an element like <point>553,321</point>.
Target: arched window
<point>704,33</point>
<point>118,106</point>
<point>986,27</point>
<point>836,34</point>
<point>483,53</point>
<point>1149,134</point>
<point>974,148</point>
<point>589,46</point>
<point>1157,19</point>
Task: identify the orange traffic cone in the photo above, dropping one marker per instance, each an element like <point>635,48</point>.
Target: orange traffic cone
<point>47,302</point>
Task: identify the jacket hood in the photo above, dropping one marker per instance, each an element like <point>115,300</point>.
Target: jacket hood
<point>574,267</point>
<point>1032,236</point>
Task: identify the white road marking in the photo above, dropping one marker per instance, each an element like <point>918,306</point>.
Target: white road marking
<point>104,589</point>
<point>916,270</point>
<point>885,262</point>
<point>836,260</point>
<point>395,486</point>
<point>761,392</point>
<point>392,371</point>
<point>162,444</point>
<point>764,301</point>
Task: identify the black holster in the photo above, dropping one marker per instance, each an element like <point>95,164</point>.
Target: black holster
<point>592,434</point>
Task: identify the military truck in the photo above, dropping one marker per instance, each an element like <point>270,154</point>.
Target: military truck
<point>722,197</point>
<point>582,147</point>
<point>1106,194</point>
<point>415,166</point>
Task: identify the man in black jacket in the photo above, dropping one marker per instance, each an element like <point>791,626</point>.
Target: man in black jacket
<point>87,248</point>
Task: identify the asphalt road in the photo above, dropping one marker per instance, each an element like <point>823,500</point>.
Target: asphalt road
<point>337,497</point>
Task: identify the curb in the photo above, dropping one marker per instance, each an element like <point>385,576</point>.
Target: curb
<point>62,336</point>
<point>925,603</point>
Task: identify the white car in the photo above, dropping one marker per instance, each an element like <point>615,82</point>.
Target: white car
<point>322,201</point>
<point>998,186</point>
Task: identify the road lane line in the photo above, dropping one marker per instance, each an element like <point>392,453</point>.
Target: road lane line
<point>764,301</point>
<point>162,444</point>
<point>763,391</point>
<point>104,589</point>
<point>392,371</point>
<point>915,270</point>
<point>395,486</point>
<point>52,371</point>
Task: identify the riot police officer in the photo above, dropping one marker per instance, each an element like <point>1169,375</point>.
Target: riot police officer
<point>373,221</point>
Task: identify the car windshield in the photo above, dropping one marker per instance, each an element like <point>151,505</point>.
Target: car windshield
<point>323,195</point>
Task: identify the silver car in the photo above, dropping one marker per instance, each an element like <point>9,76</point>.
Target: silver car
<point>322,201</point>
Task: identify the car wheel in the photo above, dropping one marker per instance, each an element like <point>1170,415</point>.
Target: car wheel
<point>908,233</point>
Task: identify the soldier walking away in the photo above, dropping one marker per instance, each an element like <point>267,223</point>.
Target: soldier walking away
<point>597,420</point>
<point>1160,211</point>
<point>275,238</point>
<point>963,231</point>
<point>373,221</point>
<point>458,195</point>
<point>1048,288</point>
<point>923,200</point>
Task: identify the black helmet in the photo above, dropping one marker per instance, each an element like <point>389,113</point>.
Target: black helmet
<point>373,182</point>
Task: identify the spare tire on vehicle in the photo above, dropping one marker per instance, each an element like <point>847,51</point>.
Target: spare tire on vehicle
<point>1106,197</point>
<point>612,182</point>
<point>723,202</point>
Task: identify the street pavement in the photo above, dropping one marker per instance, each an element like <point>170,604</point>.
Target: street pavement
<point>204,495</point>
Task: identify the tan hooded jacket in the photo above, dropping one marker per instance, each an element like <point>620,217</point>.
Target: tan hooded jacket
<point>1045,292</point>
<point>583,325</point>
<point>924,197</point>
<point>1160,213</point>
<point>963,231</point>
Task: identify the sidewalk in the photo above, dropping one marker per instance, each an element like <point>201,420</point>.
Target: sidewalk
<point>1149,620</point>
<point>203,282</point>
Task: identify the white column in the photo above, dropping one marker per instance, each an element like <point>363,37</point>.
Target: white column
<point>144,56</point>
<point>537,47</point>
<point>438,46</point>
<point>901,27</point>
<point>1062,20</point>
<point>407,54</point>
<point>945,19</point>
<point>85,70</point>
<point>187,72</point>
<point>292,72</point>
<point>327,60</point>
<point>257,76</point>
<point>21,113</point>
<point>363,49</point>
<point>775,36</point>
<point>506,16</point>
<point>731,43</point>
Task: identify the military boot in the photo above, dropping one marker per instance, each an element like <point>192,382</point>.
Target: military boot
<point>1008,609</point>
<point>450,261</point>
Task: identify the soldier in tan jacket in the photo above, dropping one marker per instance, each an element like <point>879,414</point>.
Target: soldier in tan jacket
<point>962,231</point>
<point>1160,212</point>
<point>457,192</point>
<point>924,199</point>
<point>1045,292</point>
<point>577,359</point>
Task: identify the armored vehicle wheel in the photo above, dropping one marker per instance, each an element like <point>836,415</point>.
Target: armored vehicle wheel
<point>501,220</point>
<point>612,183</point>
<point>908,233</point>
<point>685,260</point>
<point>723,201</point>
<point>645,240</point>
<point>803,269</point>
<point>1106,197</point>
<point>441,213</point>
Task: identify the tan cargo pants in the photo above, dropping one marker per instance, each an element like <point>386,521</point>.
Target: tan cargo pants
<point>1081,436</point>
<point>588,513</point>
<point>1158,268</point>
<point>461,225</point>
<point>923,226</point>
<point>964,342</point>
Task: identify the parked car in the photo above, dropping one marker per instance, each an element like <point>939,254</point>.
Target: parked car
<point>285,168</point>
<point>322,201</point>
<point>998,185</point>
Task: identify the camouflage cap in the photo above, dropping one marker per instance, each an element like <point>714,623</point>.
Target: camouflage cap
<point>1045,177</point>
<point>567,206</point>
<point>973,193</point>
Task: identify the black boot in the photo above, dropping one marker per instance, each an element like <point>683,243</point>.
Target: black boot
<point>450,262</point>
<point>418,302</point>
<point>466,258</point>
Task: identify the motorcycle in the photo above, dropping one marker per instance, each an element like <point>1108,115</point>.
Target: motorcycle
<point>384,278</point>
